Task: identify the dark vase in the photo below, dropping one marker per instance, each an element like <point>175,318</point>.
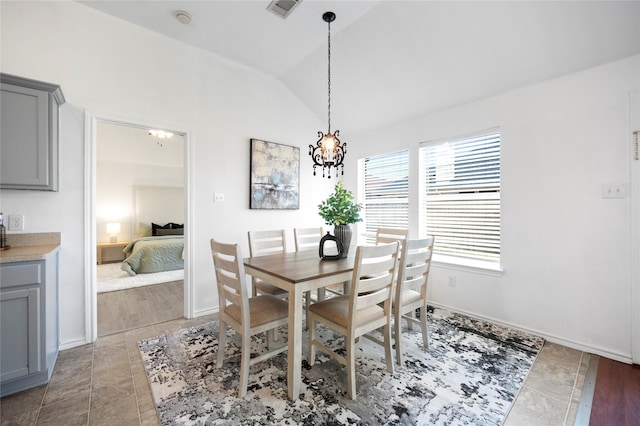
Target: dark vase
<point>343,233</point>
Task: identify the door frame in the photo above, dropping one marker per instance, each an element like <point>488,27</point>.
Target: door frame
<point>91,299</point>
<point>634,192</point>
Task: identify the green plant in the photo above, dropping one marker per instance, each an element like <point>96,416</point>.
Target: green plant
<point>339,208</point>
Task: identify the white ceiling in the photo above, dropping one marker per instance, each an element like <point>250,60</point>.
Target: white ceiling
<point>396,60</point>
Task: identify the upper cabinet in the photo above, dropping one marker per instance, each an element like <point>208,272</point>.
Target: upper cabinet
<point>29,133</point>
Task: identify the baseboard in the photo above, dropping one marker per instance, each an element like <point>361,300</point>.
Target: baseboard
<point>204,312</point>
<point>72,344</point>
<point>626,358</point>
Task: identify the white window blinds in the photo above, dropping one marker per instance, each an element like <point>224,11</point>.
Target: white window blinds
<point>386,192</point>
<point>460,196</point>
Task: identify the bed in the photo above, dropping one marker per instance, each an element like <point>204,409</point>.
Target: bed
<point>154,254</point>
<point>158,219</point>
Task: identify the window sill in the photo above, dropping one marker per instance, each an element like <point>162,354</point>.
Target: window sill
<point>469,265</point>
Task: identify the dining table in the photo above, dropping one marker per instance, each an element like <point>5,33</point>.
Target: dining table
<point>298,273</point>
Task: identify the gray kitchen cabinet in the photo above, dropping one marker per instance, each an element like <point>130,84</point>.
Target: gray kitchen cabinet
<point>29,331</point>
<point>29,133</point>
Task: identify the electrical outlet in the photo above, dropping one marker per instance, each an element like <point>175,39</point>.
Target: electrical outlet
<point>16,222</point>
<point>218,197</point>
<point>452,281</point>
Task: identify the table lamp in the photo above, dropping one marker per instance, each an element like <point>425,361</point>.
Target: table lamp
<point>113,229</point>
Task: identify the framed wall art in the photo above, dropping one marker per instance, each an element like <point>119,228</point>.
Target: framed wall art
<point>275,176</point>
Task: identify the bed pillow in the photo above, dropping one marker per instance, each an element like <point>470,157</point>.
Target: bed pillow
<point>144,230</point>
<point>176,225</point>
<point>163,231</point>
<point>155,227</point>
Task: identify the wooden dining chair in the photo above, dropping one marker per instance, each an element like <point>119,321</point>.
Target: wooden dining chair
<point>262,243</point>
<point>307,238</point>
<point>387,235</point>
<point>366,308</point>
<point>411,289</point>
<point>247,316</point>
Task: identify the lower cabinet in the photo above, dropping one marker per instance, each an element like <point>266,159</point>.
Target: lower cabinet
<point>29,336</point>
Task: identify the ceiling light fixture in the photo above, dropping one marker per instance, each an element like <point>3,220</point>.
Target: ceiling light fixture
<point>183,17</point>
<point>329,151</point>
<point>159,135</point>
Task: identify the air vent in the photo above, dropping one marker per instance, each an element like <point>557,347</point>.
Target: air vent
<point>282,8</point>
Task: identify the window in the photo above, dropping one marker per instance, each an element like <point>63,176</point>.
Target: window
<point>460,196</point>
<point>385,185</point>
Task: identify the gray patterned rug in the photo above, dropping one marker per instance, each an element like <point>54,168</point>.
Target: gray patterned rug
<point>470,375</point>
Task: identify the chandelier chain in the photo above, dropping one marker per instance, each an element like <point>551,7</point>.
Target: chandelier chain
<point>329,78</point>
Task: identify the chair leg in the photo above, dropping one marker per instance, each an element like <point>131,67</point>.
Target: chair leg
<point>424,327</point>
<point>312,336</point>
<point>397,322</point>
<point>222,342</point>
<point>244,364</point>
<point>411,314</point>
<point>307,303</point>
<point>351,367</point>
<point>388,353</point>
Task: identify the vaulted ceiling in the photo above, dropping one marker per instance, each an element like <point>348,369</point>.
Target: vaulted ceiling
<point>396,60</point>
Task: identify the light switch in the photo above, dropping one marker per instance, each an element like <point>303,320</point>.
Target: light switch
<point>614,190</point>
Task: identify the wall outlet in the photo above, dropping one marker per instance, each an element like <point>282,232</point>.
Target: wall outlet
<point>452,281</point>
<point>218,197</point>
<point>16,222</point>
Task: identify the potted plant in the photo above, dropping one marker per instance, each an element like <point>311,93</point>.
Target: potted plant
<point>340,211</point>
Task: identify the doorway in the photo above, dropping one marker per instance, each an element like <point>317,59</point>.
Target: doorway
<point>131,174</point>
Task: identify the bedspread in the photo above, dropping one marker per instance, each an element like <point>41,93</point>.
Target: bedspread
<point>154,254</point>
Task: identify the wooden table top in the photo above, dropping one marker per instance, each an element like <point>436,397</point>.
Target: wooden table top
<point>300,266</point>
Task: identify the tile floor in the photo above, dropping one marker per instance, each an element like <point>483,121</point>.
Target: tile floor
<point>105,384</point>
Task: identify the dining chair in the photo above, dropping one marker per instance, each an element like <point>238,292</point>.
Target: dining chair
<point>366,308</point>
<point>247,316</point>
<point>262,243</point>
<point>387,235</point>
<point>411,289</point>
<point>307,238</point>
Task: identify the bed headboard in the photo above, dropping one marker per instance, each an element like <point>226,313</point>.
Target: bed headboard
<point>157,204</point>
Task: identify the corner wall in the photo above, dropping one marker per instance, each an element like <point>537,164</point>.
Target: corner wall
<point>565,248</point>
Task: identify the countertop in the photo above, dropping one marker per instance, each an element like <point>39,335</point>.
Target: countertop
<point>35,246</point>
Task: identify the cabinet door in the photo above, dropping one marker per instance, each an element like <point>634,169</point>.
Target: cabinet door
<point>29,133</point>
<point>20,331</point>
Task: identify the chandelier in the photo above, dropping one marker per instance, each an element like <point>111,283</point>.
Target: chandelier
<point>329,151</point>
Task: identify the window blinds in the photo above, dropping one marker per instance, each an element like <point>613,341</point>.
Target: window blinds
<point>460,196</point>
<point>386,192</point>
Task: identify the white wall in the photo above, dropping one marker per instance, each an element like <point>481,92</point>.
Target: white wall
<point>114,69</point>
<point>565,249</point>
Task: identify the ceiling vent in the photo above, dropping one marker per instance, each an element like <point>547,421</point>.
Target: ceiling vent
<point>282,8</point>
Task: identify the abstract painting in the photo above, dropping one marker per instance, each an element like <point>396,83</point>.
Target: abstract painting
<point>275,176</point>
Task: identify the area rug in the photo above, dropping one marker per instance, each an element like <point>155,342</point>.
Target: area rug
<point>111,278</point>
<point>470,375</point>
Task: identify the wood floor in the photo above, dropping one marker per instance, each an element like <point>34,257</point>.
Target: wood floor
<point>616,398</point>
<point>138,307</point>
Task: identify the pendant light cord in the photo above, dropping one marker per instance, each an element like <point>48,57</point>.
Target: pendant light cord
<point>329,78</point>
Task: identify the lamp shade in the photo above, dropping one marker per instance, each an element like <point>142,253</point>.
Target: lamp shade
<point>113,228</point>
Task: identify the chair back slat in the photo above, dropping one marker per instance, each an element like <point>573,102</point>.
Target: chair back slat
<point>307,238</point>
<point>230,276</point>
<point>262,243</point>
<point>415,263</point>
<point>373,274</point>
<point>389,235</point>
